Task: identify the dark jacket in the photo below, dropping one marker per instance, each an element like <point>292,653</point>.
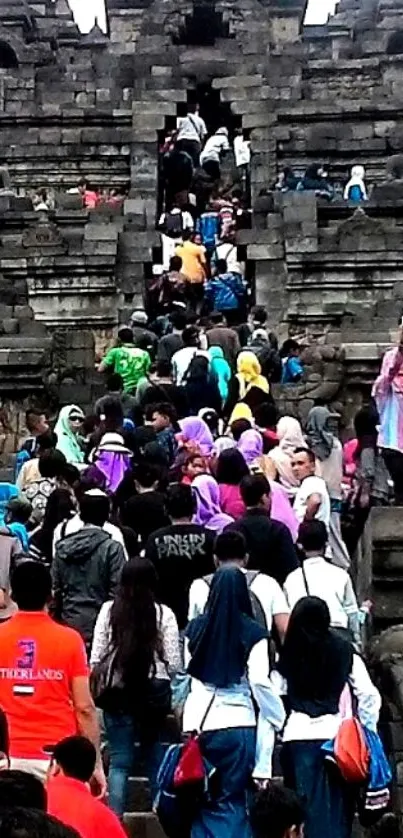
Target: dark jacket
<point>201,393</point>
<point>228,339</point>
<point>269,544</point>
<point>85,573</point>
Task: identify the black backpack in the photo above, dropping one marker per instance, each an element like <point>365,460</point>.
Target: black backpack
<point>173,225</point>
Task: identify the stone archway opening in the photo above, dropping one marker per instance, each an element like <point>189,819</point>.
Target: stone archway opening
<point>213,110</point>
<point>395,43</point>
<point>202,27</point>
<point>216,114</point>
<point>8,58</point>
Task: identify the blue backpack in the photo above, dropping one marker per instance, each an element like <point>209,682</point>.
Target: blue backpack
<point>178,806</point>
<point>208,228</point>
<point>170,805</point>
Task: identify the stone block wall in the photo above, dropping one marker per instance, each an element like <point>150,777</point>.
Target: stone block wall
<point>94,105</point>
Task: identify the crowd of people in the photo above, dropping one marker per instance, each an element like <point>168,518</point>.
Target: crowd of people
<point>185,549</point>
<point>91,197</point>
<point>316,179</point>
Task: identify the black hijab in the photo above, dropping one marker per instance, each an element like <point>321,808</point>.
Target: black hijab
<point>220,641</point>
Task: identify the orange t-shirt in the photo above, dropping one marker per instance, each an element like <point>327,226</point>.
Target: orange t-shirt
<point>38,660</point>
<point>194,261</point>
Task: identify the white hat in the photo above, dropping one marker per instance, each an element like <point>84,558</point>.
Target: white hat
<point>260,334</point>
<point>96,493</point>
<point>114,443</point>
<point>139,316</point>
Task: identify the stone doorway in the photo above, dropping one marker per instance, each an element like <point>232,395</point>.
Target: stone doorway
<point>216,114</point>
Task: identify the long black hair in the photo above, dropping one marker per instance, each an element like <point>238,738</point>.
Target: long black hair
<point>314,659</point>
<point>134,625</point>
<point>231,467</point>
<point>366,430</point>
<point>59,507</point>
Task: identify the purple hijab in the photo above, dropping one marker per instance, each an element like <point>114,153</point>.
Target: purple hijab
<point>251,446</point>
<point>113,466</point>
<point>196,430</point>
<point>208,511</point>
<point>281,509</point>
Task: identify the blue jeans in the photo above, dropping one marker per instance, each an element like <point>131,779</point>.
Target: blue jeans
<point>232,753</point>
<point>329,799</point>
<point>123,735</point>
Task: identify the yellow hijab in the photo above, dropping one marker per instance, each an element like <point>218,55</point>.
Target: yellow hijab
<point>241,411</point>
<point>249,373</point>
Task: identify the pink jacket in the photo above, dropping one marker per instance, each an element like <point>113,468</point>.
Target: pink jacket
<point>230,500</point>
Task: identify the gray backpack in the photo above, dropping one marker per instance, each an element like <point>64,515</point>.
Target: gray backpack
<point>257,608</point>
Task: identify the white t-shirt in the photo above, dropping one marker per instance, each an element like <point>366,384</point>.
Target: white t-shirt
<point>75,524</point>
<point>313,486</point>
<point>187,220</point>
<point>192,127</point>
<point>241,151</point>
<point>326,581</point>
<point>181,360</point>
<point>265,589</point>
<point>213,148</point>
<point>229,252</point>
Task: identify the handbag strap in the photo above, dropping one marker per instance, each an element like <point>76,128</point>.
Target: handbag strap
<point>209,706</point>
<point>305,579</point>
<point>195,126</point>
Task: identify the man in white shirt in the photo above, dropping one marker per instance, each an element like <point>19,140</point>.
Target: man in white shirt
<point>228,251</point>
<point>210,157</point>
<point>241,149</point>
<point>191,133</point>
<point>312,498</point>
<point>182,358</point>
<point>317,577</point>
<point>172,226</point>
<point>266,594</point>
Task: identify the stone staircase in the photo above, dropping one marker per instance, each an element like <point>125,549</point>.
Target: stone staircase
<point>139,819</point>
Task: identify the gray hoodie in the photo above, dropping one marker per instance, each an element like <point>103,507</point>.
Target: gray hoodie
<point>86,572</point>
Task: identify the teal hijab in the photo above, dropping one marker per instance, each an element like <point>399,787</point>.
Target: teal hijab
<point>67,440</point>
<point>220,369</point>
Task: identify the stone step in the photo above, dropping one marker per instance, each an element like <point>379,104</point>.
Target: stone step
<point>143,825</point>
<point>139,795</point>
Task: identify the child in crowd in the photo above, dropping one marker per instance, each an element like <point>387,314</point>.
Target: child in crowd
<point>293,368</point>
<point>162,417</point>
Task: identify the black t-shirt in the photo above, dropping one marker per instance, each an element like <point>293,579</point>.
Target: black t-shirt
<point>145,513</point>
<point>269,543</point>
<point>180,553</point>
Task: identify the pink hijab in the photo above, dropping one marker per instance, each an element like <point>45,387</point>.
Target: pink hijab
<point>281,509</point>
<point>290,436</point>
